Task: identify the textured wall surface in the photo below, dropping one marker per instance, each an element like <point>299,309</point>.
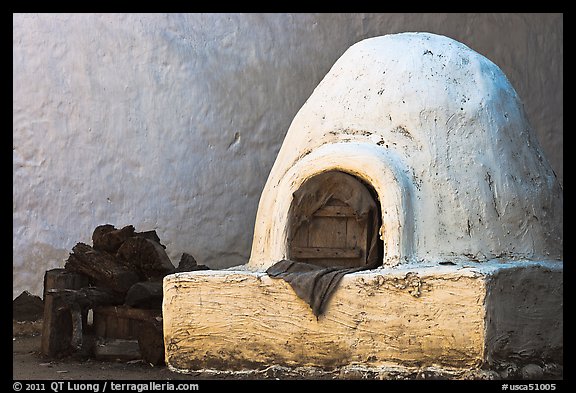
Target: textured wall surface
<point>173,121</point>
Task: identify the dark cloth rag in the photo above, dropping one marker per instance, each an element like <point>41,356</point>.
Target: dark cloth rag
<point>312,283</point>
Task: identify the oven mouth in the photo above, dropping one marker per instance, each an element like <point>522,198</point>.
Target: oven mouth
<point>334,221</point>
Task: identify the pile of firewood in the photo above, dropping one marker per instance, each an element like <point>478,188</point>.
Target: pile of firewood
<point>107,300</point>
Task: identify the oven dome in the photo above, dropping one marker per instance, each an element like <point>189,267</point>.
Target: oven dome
<point>437,130</point>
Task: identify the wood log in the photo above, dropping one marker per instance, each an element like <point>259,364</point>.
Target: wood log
<point>65,317</point>
<point>151,341</point>
<point>88,297</point>
<point>188,264</point>
<point>145,257</point>
<point>108,238</point>
<point>102,267</point>
<point>62,326</point>
<point>63,279</point>
<point>150,235</point>
<point>146,294</point>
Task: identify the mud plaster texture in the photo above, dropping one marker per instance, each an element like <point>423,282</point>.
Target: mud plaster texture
<point>441,135</point>
<point>474,316</point>
<point>172,122</point>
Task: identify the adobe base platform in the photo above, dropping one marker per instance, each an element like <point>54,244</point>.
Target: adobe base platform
<point>468,316</point>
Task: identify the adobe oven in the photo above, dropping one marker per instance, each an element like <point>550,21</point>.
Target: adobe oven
<point>413,169</point>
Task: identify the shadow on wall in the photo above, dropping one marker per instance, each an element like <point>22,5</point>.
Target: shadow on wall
<point>36,258</point>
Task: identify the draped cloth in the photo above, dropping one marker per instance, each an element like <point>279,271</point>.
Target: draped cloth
<point>313,283</point>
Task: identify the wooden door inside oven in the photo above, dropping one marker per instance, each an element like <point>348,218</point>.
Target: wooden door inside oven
<point>339,224</point>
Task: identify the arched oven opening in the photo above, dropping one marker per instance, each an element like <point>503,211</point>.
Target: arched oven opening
<point>334,221</point>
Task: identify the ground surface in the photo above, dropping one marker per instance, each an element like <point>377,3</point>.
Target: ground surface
<point>29,364</point>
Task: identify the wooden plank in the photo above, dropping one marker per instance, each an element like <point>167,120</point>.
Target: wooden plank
<point>62,326</point>
<point>334,211</point>
<point>353,231</point>
<point>99,324</point>
<point>357,237</point>
<point>335,262</point>
<point>57,327</point>
<point>128,312</point>
<point>110,326</point>
<point>122,321</point>
<point>115,327</point>
<point>117,349</point>
<point>301,236</point>
<point>327,232</point>
<point>326,252</point>
<point>85,298</point>
<point>65,312</point>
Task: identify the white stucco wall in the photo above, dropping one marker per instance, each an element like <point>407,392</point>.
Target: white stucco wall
<point>172,122</point>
